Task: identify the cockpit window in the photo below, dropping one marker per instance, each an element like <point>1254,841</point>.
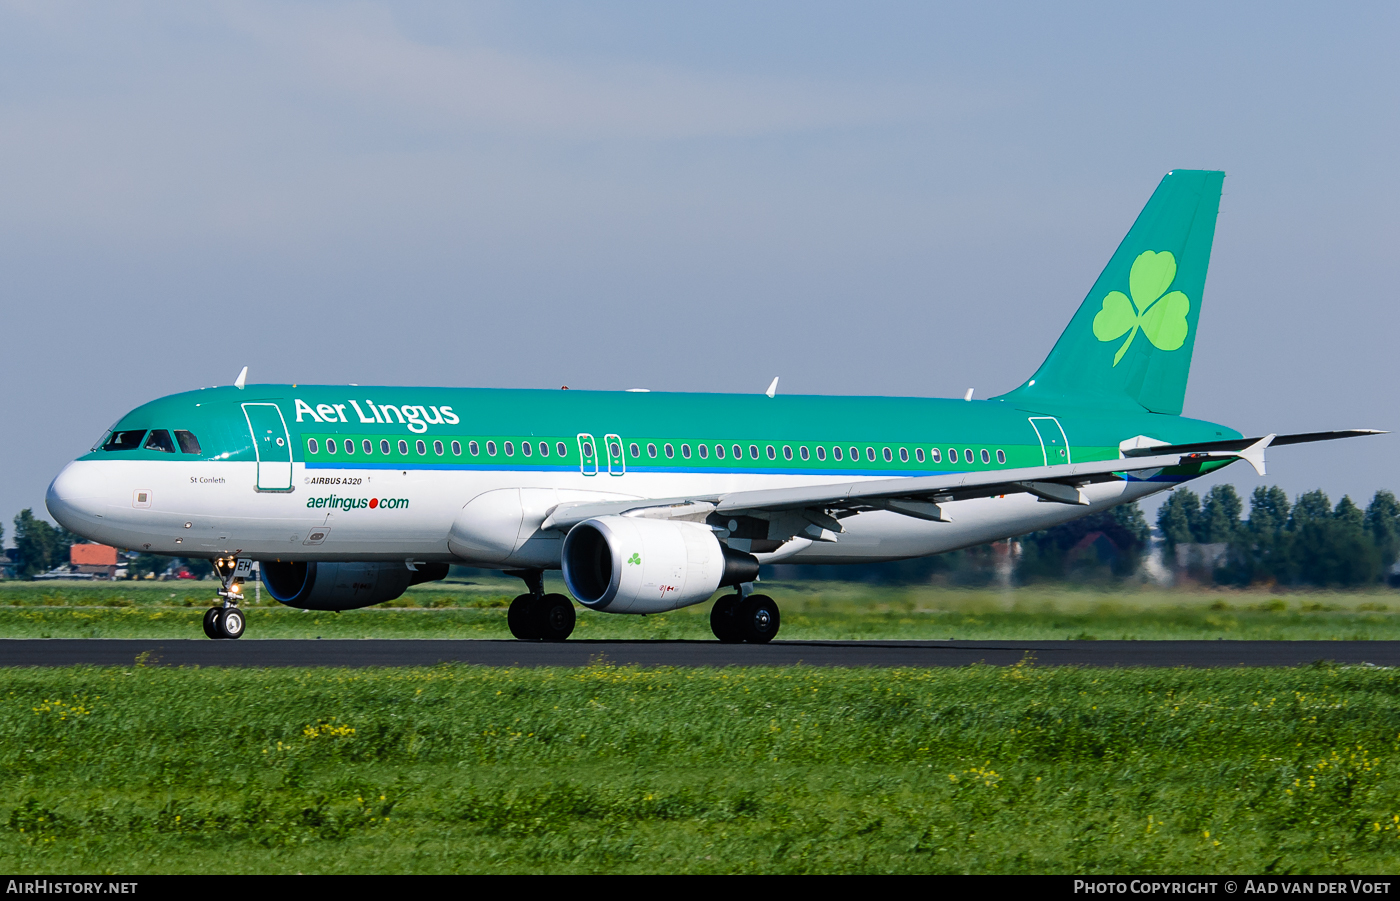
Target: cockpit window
<point>189,444</point>
<point>125,441</point>
<point>160,441</point>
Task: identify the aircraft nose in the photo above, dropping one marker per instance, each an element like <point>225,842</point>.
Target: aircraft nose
<point>75,496</point>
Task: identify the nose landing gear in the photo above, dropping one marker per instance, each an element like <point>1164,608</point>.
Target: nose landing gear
<point>225,620</point>
<point>538,616</point>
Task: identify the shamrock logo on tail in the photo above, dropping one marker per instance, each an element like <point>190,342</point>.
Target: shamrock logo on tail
<point>635,559</point>
<point>1160,316</point>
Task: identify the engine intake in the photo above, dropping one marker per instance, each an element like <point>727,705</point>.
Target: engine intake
<point>624,564</point>
<point>343,586</point>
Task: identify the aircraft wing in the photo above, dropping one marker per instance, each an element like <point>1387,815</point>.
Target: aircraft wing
<point>822,505</point>
<point>815,511</point>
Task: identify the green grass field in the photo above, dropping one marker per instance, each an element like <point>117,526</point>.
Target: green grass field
<point>816,610</point>
<point>466,769</point>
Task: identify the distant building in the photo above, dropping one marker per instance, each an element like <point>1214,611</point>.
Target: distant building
<point>96,559</point>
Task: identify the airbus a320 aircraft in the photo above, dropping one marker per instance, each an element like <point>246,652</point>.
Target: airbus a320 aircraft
<point>652,501</point>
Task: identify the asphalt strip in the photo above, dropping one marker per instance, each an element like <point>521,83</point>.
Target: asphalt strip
<point>431,652</point>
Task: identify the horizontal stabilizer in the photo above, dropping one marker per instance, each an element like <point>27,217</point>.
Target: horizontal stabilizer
<point>1239,444</point>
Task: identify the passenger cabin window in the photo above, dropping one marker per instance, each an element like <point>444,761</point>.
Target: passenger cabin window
<point>635,451</point>
<point>189,444</point>
<point>685,451</point>
<point>967,455</point>
<point>510,448</point>
<point>719,451</point>
<point>456,448</point>
<point>421,448</point>
<point>889,457</point>
<point>312,446</point>
<point>367,446</point>
<point>330,446</point>
<point>124,441</point>
<point>821,452</point>
<point>437,448</point>
<point>836,452</point>
<point>919,454</point>
<point>952,455</point>
<point>803,453</point>
<point>753,451</point>
<point>772,454</point>
<point>561,449</point>
<point>525,448</point>
<point>704,450</point>
<point>986,457</point>
<point>937,455</point>
<point>403,448</point>
<point>1001,456</point>
<point>870,454</point>
<point>787,452</point>
<point>544,448</point>
<point>384,446</point>
<point>739,452</point>
<point>904,455</point>
<point>160,441</point>
<point>669,450</point>
<point>349,445</point>
<point>855,455</point>
<point>651,450</point>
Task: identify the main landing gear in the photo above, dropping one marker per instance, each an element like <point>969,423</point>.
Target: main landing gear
<point>753,619</point>
<point>538,616</point>
<point>226,620</point>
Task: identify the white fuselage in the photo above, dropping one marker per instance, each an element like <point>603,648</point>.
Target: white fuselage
<point>480,518</point>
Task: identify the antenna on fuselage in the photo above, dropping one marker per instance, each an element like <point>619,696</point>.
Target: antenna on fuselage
<point>242,379</point>
<point>773,387</point>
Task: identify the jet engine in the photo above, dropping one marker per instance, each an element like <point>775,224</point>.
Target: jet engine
<point>624,564</point>
<point>343,586</point>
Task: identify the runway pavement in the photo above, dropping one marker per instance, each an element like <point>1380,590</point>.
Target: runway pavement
<point>371,652</point>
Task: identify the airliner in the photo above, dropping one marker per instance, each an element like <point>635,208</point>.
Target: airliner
<point>345,496</point>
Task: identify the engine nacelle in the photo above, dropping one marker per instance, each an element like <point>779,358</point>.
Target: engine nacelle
<point>343,586</point>
<point>625,564</point>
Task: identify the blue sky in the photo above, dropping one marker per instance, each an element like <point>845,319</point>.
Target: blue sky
<point>862,198</point>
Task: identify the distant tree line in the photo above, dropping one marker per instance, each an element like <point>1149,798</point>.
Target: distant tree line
<point>1306,542</point>
<point>41,547</point>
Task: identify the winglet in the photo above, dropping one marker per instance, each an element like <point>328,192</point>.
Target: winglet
<point>1254,454</point>
<point>242,379</point>
<point>772,387</point>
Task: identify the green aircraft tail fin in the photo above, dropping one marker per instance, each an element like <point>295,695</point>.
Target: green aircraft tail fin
<point>1130,343</point>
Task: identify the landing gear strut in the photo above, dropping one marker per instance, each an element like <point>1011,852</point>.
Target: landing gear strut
<point>225,620</point>
<point>753,619</point>
<point>538,616</point>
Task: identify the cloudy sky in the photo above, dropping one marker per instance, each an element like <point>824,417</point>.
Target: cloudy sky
<point>864,198</point>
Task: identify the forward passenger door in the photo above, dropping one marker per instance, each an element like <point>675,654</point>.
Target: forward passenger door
<point>272,445</point>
